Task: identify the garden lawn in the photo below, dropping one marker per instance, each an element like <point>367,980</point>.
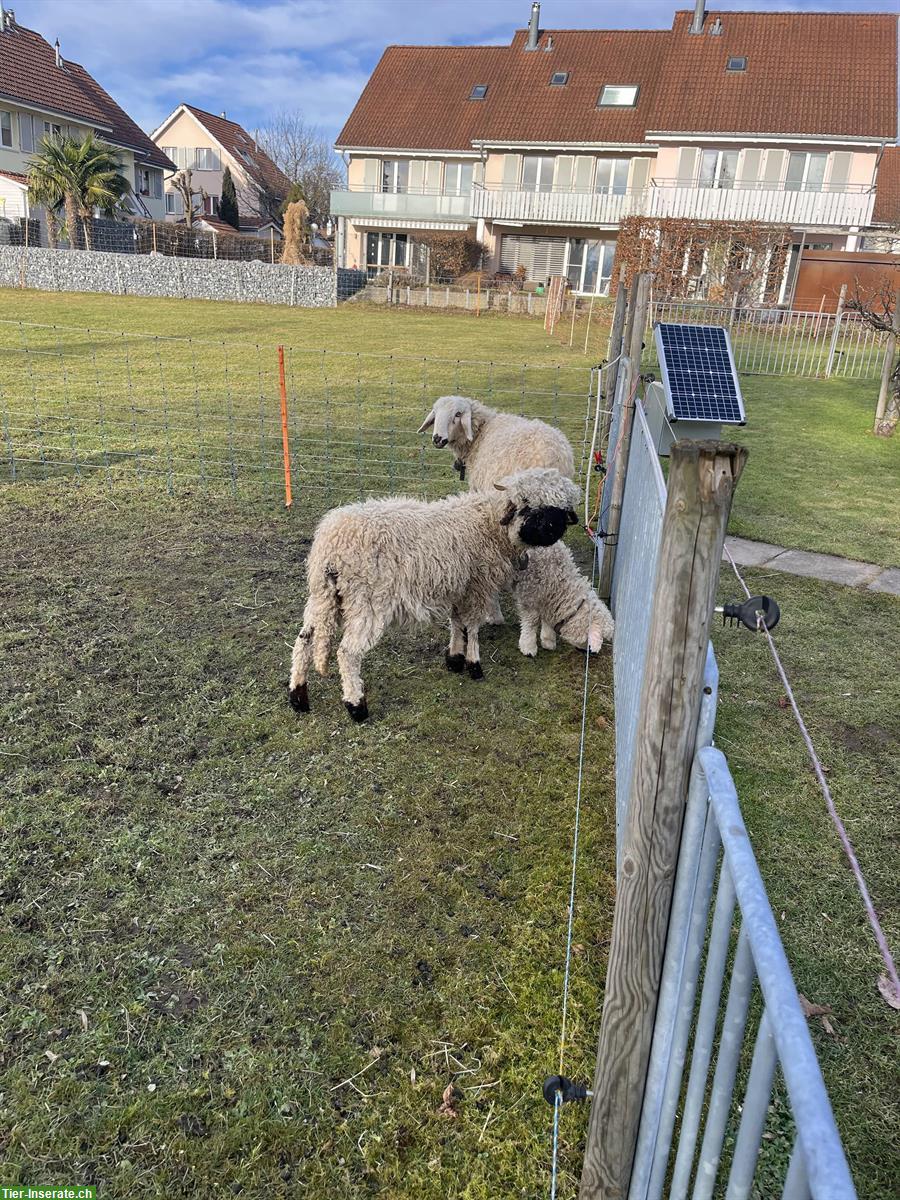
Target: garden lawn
<point>248,952</point>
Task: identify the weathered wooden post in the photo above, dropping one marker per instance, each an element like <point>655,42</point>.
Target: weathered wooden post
<point>885,415</point>
<point>702,478</point>
<point>632,344</point>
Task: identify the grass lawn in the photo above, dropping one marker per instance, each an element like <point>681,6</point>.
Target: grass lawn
<point>836,644</point>
<point>248,952</point>
<point>218,914</point>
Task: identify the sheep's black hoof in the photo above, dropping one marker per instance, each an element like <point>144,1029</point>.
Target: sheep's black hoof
<point>358,712</point>
<point>455,662</point>
<point>299,698</point>
<point>475,671</point>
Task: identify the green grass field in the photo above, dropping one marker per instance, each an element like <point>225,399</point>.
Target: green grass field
<point>247,953</point>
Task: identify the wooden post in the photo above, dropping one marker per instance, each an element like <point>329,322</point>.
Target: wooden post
<point>285,445</point>
<point>702,478</point>
<point>153,227</point>
<point>632,342</point>
<point>886,418</point>
<point>616,344</point>
<point>272,244</point>
<point>835,334</point>
<point>478,294</point>
<point>587,332</point>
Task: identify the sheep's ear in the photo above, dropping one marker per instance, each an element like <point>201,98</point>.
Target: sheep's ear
<point>427,423</point>
<point>509,514</point>
<point>466,417</point>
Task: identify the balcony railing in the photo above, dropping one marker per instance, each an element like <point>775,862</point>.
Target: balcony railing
<point>669,198</point>
<point>421,205</point>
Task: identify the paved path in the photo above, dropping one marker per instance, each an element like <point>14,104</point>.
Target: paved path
<point>827,567</point>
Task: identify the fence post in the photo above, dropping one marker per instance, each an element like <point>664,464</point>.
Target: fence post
<point>285,445</point>
<point>616,345</point>
<point>631,346</point>
<point>702,478</point>
<point>153,229</point>
<point>832,349</point>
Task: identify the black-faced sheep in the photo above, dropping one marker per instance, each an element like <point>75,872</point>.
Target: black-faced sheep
<point>399,560</point>
<point>488,445</point>
<point>554,598</point>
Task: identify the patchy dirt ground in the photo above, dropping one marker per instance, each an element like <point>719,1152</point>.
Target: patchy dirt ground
<point>247,953</point>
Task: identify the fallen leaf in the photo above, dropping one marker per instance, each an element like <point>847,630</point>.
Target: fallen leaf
<point>812,1010</point>
<point>49,1054</point>
<point>448,1103</point>
<point>412,1075</point>
<point>783,702</point>
<point>84,1019</point>
<point>827,1026</point>
<point>888,991</point>
<point>601,722</point>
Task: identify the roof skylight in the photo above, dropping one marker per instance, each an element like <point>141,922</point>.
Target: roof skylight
<point>559,78</point>
<point>737,62</point>
<point>617,95</point>
<point>478,92</point>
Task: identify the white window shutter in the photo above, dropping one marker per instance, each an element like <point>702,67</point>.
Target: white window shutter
<point>562,181</point>
<point>371,174</point>
<point>687,166</point>
<point>774,167</point>
<point>840,170</point>
<point>511,170</point>
<point>416,176</point>
<point>584,172</point>
<point>640,173</point>
<point>433,176</point>
<point>751,160</point>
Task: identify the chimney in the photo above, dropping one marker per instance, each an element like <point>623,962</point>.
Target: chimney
<point>699,15</point>
<point>58,55</point>
<point>222,115</point>
<point>2,17</point>
<point>534,32</point>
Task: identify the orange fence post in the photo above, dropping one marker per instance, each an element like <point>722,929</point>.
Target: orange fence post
<point>285,445</point>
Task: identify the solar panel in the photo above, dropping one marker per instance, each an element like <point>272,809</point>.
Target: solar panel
<point>698,373</point>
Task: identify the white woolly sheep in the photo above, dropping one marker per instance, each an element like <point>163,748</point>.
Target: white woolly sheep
<point>488,445</point>
<point>554,597</point>
<point>399,560</point>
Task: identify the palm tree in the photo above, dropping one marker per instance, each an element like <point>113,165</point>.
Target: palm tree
<point>44,188</point>
<point>85,172</point>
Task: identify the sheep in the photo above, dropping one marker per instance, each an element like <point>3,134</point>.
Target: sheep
<point>399,560</point>
<point>554,597</point>
<point>489,445</point>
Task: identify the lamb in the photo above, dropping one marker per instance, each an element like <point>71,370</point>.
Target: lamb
<point>489,445</point>
<point>552,595</point>
<point>399,560</point>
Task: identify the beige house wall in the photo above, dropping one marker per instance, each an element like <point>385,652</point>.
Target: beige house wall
<point>187,133</point>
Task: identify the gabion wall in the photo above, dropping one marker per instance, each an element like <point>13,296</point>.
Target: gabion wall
<point>156,275</point>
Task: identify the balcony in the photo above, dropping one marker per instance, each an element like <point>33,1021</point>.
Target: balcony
<point>360,204</point>
<point>667,198</point>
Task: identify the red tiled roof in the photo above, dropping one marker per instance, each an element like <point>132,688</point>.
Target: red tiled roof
<point>29,75</point>
<point>15,177</point>
<point>241,146</point>
<point>831,74</point>
<point>887,188</point>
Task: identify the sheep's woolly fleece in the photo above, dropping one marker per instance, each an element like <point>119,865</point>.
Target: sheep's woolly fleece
<point>494,444</point>
<point>553,595</point>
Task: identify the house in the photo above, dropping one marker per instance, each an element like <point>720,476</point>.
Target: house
<point>207,144</point>
<point>42,93</point>
<point>540,149</point>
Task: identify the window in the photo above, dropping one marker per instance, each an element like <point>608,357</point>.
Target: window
<point>805,172</point>
<point>478,92</point>
<point>211,206</point>
<point>51,130</point>
<point>611,178</point>
<point>142,181</point>
<point>537,173</point>
<point>718,169</point>
<point>736,63</point>
<point>395,175</point>
<point>384,250</point>
<point>559,78</point>
<point>618,96</point>
<point>206,159</point>
<point>540,256</point>
<point>458,178</point>
<point>26,133</point>
<point>174,204</point>
<point>590,265</point>
<point>5,129</point>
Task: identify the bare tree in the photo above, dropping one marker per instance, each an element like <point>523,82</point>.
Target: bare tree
<point>305,155</point>
<point>183,184</point>
<point>880,311</point>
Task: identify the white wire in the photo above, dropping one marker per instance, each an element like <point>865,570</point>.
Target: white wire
<point>590,461</point>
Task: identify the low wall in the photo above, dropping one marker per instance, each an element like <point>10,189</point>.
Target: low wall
<point>439,295</point>
<point>157,275</point>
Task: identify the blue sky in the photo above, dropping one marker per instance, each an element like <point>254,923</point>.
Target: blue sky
<point>255,57</point>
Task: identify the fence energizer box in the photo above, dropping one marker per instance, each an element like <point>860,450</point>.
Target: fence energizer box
<point>699,392</point>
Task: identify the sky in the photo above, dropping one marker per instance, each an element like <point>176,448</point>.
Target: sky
<point>254,58</point>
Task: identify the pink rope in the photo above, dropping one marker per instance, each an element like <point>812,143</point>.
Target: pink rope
<point>829,802</point>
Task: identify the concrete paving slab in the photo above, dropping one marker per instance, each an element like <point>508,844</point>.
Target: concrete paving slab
<point>827,567</point>
<point>888,581</point>
<point>747,553</point>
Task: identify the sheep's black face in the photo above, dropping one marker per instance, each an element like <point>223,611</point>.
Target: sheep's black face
<point>544,526</point>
